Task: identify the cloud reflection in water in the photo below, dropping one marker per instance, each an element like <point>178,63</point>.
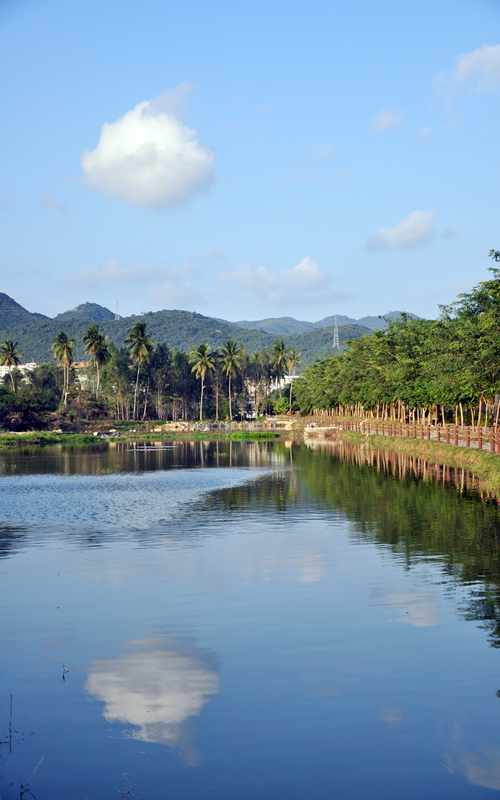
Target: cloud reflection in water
<point>156,688</point>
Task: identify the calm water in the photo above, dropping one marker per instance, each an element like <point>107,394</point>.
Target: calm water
<point>246,621</point>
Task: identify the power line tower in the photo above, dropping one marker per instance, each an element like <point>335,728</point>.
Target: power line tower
<point>117,314</point>
<point>336,343</point>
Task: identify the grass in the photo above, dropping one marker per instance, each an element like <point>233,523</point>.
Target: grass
<point>42,439</point>
<point>483,465</point>
<point>238,436</point>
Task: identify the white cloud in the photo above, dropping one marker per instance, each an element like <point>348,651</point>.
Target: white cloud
<point>178,287</point>
<point>321,151</point>
<point>304,283</point>
<point>112,272</point>
<point>213,254</point>
<point>47,201</point>
<point>425,134</point>
<point>386,120</point>
<point>451,231</point>
<point>416,229</point>
<point>155,688</point>
<point>148,157</point>
<point>480,67</point>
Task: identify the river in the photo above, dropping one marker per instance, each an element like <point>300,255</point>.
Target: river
<point>252,620</point>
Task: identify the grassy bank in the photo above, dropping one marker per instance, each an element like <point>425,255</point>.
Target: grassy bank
<point>235,436</point>
<point>42,439</point>
<point>483,465</point>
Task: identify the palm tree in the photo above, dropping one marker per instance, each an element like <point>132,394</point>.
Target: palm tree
<point>203,361</point>
<point>231,362</point>
<point>294,361</point>
<point>64,352</point>
<point>10,357</point>
<point>140,350</point>
<point>280,356</point>
<point>95,345</point>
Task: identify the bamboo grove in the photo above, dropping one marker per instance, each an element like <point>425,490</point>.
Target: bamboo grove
<point>418,370</point>
<point>144,380</point>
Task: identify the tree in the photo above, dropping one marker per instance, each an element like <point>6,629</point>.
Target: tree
<point>10,357</point>
<point>95,344</point>
<point>232,355</point>
<point>279,357</point>
<point>202,360</point>
<point>294,361</point>
<point>141,346</point>
<point>64,352</point>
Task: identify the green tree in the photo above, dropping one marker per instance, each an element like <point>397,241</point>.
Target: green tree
<point>294,362</point>
<point>232,356</point>
<point>141,346</point>
<point>202,360</point>
<point>10,357</point>
<point>95,345</point>
<point>64,352</point>
<point>279,357</point>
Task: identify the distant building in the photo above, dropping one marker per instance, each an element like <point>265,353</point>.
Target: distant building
<point>24,368</point>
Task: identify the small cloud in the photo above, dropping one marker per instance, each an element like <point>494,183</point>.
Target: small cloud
<point>480,68</point>
<point>451,231</point>
<point>263,110</point>
<point>416,608</point>
<point>112,272</point>
<point>304,283</point>
<point>47,201</point>
<point>386,120</point>
<point>480,769</point>
<point>213,254</point>
<point>425,134</point>
<point>178,287</point>
<point>8,204</point>
<point>148,157</point>
<point>346,174</point>
<point>305,176</point>
<point>321,151</point>
<point>393,716</point>
<point>416,229</point>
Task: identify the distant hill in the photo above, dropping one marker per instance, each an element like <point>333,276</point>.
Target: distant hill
<point>181,329</point>
<point>87,312</point>
<point>285,326</point>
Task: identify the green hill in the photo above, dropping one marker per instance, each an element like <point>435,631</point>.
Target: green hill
<point>181,329</point>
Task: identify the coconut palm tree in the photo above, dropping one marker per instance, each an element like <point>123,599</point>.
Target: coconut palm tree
<point>232,355</point>
<point>64,352</point>
<point>279,356</point>
<point>202,360</point>
<point>95,345</point>
<point>294,361</point>
<point>10,357</point>
<point>141,347</point>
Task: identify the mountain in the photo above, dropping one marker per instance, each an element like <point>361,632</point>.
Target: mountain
<point>182,329</point>
<point>286,326</point>
<point>279,326</point>
<point>87,312</point>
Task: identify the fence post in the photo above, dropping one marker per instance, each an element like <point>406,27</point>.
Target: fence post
<point>438,433</point>
<point>492,440</point>
<point>428,431</point>
<point>479,439</point>
<point>447,434</point>
<point>456,435</point>
<point>421,431</point>
<point>467,436</point>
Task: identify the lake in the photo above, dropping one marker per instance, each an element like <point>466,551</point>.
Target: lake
<point>246,620</point>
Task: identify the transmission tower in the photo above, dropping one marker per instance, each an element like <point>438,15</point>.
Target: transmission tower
<point>117,314</point>
<point>336,343</point>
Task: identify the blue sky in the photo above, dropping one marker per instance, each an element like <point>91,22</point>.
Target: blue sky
<point>247,160</point>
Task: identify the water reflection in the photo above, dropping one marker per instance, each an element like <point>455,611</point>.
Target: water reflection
<point>157,688</point>
<point>416,608</point>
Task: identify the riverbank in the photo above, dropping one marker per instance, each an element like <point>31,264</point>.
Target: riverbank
<point>484,465</point>
<point>42,439</point>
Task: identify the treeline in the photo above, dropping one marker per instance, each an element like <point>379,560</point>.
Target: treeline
<point>145,380</point>
<point>418,370</point>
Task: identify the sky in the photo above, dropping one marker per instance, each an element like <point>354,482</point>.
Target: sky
<point>248,160</point>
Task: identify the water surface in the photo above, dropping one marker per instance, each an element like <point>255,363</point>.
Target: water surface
<point>246,620</point>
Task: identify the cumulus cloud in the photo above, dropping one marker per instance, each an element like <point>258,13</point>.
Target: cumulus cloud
<point>179,286</point>
<point>386,120</point>
<point>451,231</point>
<point>213,254</point>
<point>416,229</point>
<point>425,134</point>
<point>47,201</point>
<point>149,157</point>
<point>480,769</point>
<point>481,68</point>
<point>321,151</point>
<point>156,688</point>
<point>304,283</point>
<point>113,272</point>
